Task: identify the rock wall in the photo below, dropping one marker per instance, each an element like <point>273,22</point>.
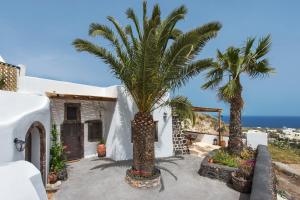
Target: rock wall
<point>180,145</point>
<point>215,171</point>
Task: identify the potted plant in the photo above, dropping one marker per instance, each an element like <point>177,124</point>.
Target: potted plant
<point>58,167</point>
<point>101,148</point>
<point>223,143</point>
<point>52,177</point>
<point>242,178</point>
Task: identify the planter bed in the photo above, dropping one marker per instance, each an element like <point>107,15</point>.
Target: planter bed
<point>215,171</point>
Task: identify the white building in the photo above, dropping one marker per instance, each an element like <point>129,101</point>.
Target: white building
<point>256,137</point>
<point>83,114</point>
<point>290,133</point>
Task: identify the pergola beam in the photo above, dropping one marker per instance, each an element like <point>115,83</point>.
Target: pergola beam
<point>205,109</point>
<point>53,95</point>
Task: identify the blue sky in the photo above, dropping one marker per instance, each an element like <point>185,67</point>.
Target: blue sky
<point>39,34</point>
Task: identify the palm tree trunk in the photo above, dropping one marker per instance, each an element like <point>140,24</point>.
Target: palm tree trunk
<point>143,143</point>
<point>235,143</point>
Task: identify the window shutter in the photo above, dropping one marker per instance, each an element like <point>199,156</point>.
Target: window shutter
<point>94,130</point>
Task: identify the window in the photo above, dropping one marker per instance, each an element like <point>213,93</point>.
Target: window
<point>72,112</point>
<point>155,131</point>
<point>94,130</point>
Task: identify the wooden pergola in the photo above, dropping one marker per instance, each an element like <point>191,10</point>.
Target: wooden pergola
<point>54,95</point>
<point>218,110</point>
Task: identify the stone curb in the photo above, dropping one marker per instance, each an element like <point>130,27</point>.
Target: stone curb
<point>262,185</point>
<point>287,170</point>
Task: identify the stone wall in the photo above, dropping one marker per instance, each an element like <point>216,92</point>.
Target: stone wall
<point>180,145</point>
<point>215,171</point>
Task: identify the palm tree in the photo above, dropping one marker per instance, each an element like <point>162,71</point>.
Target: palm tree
<point>232,64</point>
<point>154,59</point>
<point>182,108</point>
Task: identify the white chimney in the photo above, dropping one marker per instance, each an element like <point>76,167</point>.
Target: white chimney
<point>2,59</point>
<point>22,69</point>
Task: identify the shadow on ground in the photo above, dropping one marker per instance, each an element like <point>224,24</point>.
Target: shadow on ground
<point>128,164</point>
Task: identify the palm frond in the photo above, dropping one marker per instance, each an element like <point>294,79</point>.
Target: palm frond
<point>184,74</point>
<point>229,90</point>
<point>154,58</point>
<point>248,46</point>
<point>214,76</point>
<point>263,47</point>
<point>102,53</point>
<point>107,33</point>
<point>121,33</point>
<point>183,108</point>
<point>131,15</point>
<point>260,69</point>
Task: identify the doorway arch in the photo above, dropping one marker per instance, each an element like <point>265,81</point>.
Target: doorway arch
<point>36,139</point>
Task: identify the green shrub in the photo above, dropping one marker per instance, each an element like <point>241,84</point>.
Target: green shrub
<point>57,162</point>
<point>223,157</point>
<point>248,154</point>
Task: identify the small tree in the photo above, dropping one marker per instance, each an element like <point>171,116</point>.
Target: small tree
<point>57,162</point>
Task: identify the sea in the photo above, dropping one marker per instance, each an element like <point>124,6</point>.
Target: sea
<point>268,121</point>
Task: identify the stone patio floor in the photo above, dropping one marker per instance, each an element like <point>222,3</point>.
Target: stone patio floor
<point>95,178</point>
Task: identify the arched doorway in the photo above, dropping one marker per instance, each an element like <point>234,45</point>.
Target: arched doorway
<point>35,150</point>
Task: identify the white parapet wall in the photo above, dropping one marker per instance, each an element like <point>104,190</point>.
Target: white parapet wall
<point>21,180</point>
<point>256,137</point>
<point>36,85</point>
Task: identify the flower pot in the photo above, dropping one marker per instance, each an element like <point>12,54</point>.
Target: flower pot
<point>240,184</point>
<point>101,150</point>
<point>210,160</point>
<point>223,143</point>
<point>52,177</point>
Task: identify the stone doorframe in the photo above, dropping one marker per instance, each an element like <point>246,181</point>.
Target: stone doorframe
<point>42,133</point>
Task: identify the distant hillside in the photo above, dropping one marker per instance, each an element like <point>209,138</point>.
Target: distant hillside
<point>205,124</point>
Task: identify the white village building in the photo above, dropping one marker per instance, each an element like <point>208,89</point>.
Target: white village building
<point>83,115</point>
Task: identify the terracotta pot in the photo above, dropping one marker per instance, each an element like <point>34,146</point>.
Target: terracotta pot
<point>223,143</point>
<point>101,150</point>
<point>52,177</point>
<point>240,184</point>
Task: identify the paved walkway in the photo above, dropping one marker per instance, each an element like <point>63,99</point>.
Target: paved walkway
<point>91,179</point>
<point>201,149</point>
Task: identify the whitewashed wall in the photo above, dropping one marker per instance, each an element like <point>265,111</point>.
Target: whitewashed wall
<point>255,137</point>
<point>36,85</point>
<point>119,146</point>
<point>20,180</point>
<point>18,112</point>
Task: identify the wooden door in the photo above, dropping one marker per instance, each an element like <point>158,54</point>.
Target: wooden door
<point>72,139</point>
